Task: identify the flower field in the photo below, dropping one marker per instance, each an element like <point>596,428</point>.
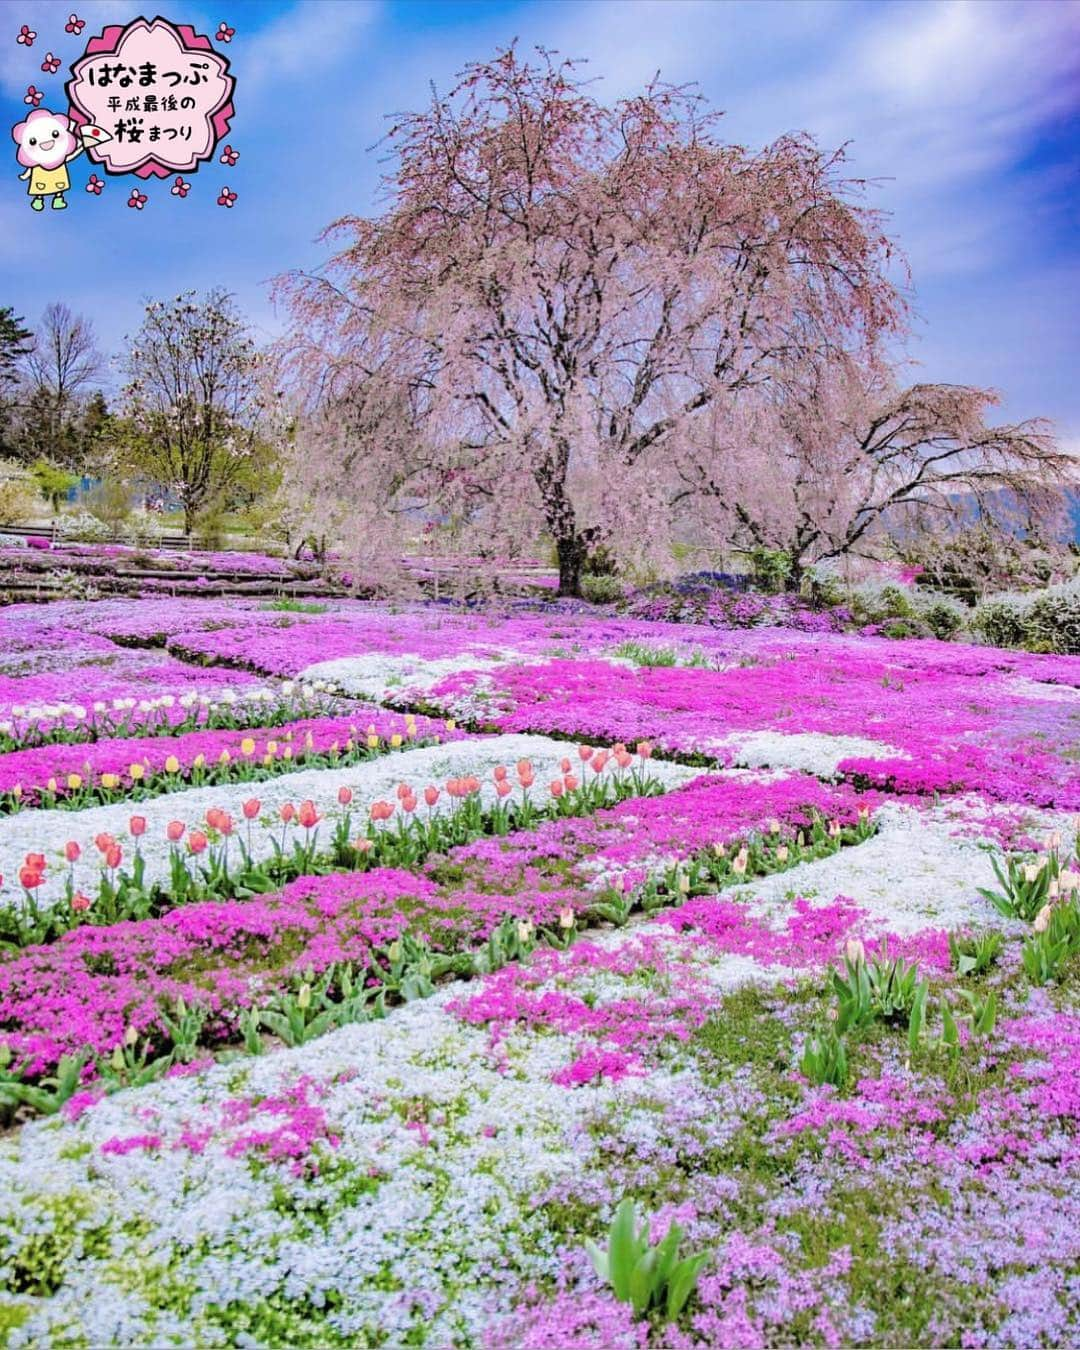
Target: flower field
<point>532,977</point>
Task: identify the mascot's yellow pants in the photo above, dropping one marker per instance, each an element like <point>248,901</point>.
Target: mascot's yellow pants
<point>43,182</point>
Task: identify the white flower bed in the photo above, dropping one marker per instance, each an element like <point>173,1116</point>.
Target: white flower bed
<point>811,751</point>
<point>372,780</point>
<point>380,675</point>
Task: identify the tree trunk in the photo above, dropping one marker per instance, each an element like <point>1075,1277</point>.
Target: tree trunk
<point>571,553</point>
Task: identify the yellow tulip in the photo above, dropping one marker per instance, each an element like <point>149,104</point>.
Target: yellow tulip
<point>50,786</point>
<point>247,746</point>
<point>395,740</point>
<point>172,765</point>
<point>373,742</point>
<point>451,725</point>
<point>109,780</point>
<point>135,772</point>
<point>199,761</point>
<point>271,747</point>
<point>74,781</point>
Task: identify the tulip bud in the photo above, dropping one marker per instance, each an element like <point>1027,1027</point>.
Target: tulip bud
<point>566,917</point>
<point>854,951</point>
<point>1042,919</point>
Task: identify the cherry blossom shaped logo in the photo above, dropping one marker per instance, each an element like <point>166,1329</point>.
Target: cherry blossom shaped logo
<point>74,24</point>
<point>26,35</point>
<point>180,188</point>
<point>227,198</point>
<point>33,96</point>
<point>229,156</point>
<point>182,97</point>
<point>224,33</point>
<point>137,200</point>
<point>95,184</point>
<point>51,64</point>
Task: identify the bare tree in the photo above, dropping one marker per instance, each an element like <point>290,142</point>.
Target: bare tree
<point>192,399</point>
<point>62,362</point>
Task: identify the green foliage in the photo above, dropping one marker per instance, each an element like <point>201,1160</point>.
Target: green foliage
<point>601,590</point>
<point>942,620</point>
<point>1046,621</point>
<point>53,483</point>
<point>650,1279</point>
<point>772,568</point>
<point>1056,938</point>
<point>884,990</point>
<point>1025,885</point>
<point>972,955</point>
<point>824,1059</point>
<point>287,604</point>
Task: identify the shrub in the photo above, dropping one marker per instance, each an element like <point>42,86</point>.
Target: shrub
<point>1046,621</point>
<point>943,619</point>
<point>771,568</point>
<point>602,590</point>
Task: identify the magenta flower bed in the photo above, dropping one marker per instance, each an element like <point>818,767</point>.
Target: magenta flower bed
<point>33,769</point>
<point>959,725</point>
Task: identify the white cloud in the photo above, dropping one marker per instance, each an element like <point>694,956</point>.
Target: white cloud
<point>305,43</point>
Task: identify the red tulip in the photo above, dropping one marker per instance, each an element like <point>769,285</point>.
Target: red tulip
<point>36,861</point>
<point>113,857</point>
<point>251,808</point>
<point>499,772</point>
<point>565,766</point>
<point>555,787</point>
<point>408,804</point>
<point>137,826</point>
<point>431,795</point>
<point>382,810</point>
<point>80,903</point>
<point>644,749</point>
<point>72,851</point>
<point>344,795</point>
<point>197,841</point>
<point>307,815</point>
<point>30,877</point>
<point>287,812</point>
<point>584,752</point>
<point>571,782</point>
<point>103,842</point>
<point>502,787</point>
<point>174,831</point>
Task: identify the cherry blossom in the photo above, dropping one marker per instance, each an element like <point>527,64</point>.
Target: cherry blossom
<point>95,185</point>
<point>224,33</point>
<point>227,197</point>
<point>229,156</point>
<point>51,64</point>
<point>26,36</point>
<point>180,187</point>
<point>137,199</point>
<point>33,96</point>
<point>74,24</point>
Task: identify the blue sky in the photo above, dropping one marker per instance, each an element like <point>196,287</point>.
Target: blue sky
<point>967,110</point>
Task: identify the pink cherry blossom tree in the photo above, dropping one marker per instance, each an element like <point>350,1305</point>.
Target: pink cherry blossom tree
<point>559,303</point>
<point>857,462</point>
